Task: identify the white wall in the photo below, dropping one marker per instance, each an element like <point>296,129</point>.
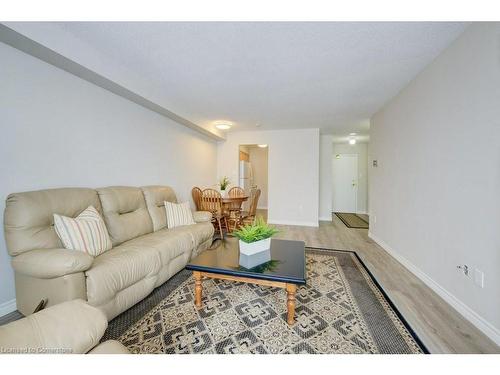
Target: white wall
<point>58,130</point>
<point>293,170</point>
<point>361,149</point>
<point>436,191</point>
<point>259,160</point>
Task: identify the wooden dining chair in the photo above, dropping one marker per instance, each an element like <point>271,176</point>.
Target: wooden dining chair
<point>211,201</point>
<point>234,208</point>
<point>249,216</point>
<point>196,194</point>
<point>236,192</point>
<point>248,203</point>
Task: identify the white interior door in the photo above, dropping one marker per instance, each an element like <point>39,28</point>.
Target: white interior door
<point>345,182</point>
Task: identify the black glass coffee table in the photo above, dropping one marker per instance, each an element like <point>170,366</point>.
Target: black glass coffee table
<point>286,269</point>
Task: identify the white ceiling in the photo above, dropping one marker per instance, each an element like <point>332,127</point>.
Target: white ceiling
<point>280,75</point>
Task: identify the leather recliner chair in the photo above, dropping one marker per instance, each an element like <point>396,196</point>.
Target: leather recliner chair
<point>72,327</point>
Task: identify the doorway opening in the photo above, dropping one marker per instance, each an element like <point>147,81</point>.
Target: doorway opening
<point>253,176</point>
<point>349,184</point>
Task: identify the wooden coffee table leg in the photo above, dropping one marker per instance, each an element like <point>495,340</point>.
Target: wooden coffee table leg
<point>290,302</point>
<point>198,288</point>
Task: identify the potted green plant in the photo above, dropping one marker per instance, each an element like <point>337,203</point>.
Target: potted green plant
<point>224,184</point>
<point>255,238</point>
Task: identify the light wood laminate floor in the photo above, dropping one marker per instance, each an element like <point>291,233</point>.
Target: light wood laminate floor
<point>441,328</point>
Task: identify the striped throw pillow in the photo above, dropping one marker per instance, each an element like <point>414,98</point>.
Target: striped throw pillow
<point>178,214</point>
<point>87,232</point>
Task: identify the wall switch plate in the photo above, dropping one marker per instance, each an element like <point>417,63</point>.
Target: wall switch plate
<point>375,163</point>
<point>464,268</point>
<point>479,278</point>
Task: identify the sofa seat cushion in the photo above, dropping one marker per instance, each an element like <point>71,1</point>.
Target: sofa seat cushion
<point>201,232</point>
<point>198,233</point>
<point>141,257</point>
<point>120,268</point>
<point>168,243</point>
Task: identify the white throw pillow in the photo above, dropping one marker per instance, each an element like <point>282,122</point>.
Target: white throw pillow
<point>87,232</point>
<point>178,214</point>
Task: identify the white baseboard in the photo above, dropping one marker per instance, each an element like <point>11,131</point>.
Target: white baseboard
<point>325,218</point>
<point>483,325</point>
<point>8,307</point>
<point>293,222</point>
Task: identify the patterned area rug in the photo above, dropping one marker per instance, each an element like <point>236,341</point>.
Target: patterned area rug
<point>341,309</point>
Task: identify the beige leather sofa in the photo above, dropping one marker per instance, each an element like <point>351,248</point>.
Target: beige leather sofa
<point>71,327</point>
<point>145,253</point>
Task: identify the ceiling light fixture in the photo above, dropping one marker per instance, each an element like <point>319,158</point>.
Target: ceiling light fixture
<point>223,125</point>
<point>352,141</point>
<point>353,133</point>
<point>262,146</point>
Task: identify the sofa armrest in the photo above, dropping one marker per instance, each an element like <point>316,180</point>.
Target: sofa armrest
<point>110,347</point>
<point>202,216</point>
<point>69,327</point>
<point>50,263</point>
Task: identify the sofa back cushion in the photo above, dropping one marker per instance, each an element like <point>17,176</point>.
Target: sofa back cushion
<point>156,196</point>
<point>125,213</point>
<point>29,216</point>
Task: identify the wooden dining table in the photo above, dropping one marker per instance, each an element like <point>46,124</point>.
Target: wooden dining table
<point>228,202</point>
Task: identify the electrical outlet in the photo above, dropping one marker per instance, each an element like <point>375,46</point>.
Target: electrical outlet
<point>479,278</point>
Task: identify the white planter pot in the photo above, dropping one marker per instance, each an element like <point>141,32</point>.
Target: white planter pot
<point>255,247</point>
<point>255,253</point>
